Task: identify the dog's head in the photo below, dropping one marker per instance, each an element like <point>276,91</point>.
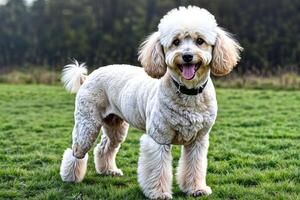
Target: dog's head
<point>189,44</point>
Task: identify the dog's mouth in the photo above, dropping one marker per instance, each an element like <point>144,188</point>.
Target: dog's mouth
<point>188,70</point>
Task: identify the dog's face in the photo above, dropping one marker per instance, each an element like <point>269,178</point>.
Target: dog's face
<point>188,57</point>
<point>189,44</point>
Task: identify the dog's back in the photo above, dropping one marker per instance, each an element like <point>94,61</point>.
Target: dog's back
<point>122,90</point>
<point>75,74</point>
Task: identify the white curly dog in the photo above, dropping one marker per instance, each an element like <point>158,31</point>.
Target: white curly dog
<point>174,104</point>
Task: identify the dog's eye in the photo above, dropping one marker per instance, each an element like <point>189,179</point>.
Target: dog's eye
<point>199,41</point>
<point>176,42</point>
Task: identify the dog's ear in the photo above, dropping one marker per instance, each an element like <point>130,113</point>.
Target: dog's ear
<point>226,53</point>
<point>152,57</point>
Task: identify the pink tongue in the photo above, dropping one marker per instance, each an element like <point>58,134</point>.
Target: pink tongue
<point>188,71</point>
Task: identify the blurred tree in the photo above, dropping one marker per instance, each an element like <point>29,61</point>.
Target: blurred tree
<point>14,40</point>
<point>102,32</point>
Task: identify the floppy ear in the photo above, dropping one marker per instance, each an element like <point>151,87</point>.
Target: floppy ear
<point>152,57</point>
<point>226,53</point>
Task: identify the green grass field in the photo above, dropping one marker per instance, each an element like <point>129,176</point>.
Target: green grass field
<point>254,147</point>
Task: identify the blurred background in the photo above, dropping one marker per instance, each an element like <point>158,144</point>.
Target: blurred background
<point>39,37</point>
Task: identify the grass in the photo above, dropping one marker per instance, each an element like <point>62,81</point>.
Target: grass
<point>287,80</point>
<point>280,80</point>
<point>253,154</point>
<point>32,75</point>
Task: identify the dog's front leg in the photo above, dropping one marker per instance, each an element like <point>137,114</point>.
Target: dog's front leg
<point>155,169</point>
<point>191,172</point>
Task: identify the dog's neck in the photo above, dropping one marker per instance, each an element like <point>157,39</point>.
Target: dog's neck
<point>169,89</point>
<point>175,87</point>
<point>193,91</point>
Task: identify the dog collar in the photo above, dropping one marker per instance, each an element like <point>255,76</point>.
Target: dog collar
<point>185,90</point>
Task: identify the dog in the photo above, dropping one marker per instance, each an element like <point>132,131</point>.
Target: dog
<point>172,99</point>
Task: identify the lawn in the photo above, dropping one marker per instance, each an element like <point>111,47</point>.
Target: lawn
<point>254,147</point>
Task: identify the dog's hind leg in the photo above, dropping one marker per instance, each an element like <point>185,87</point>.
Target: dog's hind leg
<point>85,131</point>
<point>114,133</point>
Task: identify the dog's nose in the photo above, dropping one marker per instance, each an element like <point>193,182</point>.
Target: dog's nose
<point>187,57</point>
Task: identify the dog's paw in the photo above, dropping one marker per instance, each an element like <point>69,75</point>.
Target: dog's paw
<point>160,195</point>
<point>202,192</point>
<point>112,172</point>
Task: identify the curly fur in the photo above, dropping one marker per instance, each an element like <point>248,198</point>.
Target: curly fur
<point>73,76</point>
<point>151,56</point>
<point>112,97</point>
<point>226,53</point>
<point>155,169</point>
<point>72,169</point>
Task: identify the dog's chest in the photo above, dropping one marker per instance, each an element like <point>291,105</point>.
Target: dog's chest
<point>188,123</point>
<point>180,124</point>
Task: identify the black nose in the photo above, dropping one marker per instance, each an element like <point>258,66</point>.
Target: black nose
<point>187,57</point>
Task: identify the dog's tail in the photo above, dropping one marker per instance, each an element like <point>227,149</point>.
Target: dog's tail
<point>73,76</point>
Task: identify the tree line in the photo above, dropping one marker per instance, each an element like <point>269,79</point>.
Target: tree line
<point>49,33</point>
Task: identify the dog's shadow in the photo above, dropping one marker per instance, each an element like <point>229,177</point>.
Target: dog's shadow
<point>96,186</point>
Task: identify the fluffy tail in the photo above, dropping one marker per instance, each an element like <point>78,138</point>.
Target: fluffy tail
<point>73,76</point>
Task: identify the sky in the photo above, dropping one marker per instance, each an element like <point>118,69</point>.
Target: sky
<point>27,1</point>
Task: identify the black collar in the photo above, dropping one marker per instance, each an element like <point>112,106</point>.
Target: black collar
<point>193,91</point>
